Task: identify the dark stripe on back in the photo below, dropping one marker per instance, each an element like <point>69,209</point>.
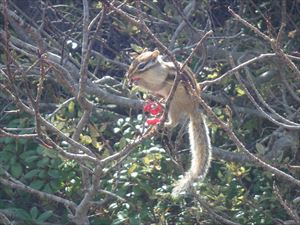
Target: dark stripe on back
<point>170,77</point>
<point>186,77</point>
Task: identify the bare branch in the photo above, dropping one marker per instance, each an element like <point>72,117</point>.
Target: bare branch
<point>19,186</point>
<point>293,214</point>
<point>3,133</point>
<point>254,159</point>
<point>237,75</point>
<point>279,52</point>
<point>232,71</point>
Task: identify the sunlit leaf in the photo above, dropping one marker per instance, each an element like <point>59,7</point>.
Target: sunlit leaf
<point>85,139</point>
<point>147,159</point>
<point>60,118</point>
<point>213,75</point>
<point>71,106</point>
<point>239,91</point>
<point>157,167</point>
<point>133,167</point>
<point>137,48</point>
<point>96,144</point>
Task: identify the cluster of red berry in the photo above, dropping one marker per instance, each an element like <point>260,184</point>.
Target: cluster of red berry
<point>155,109</point>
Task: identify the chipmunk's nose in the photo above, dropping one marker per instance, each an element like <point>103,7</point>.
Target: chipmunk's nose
<point>134,80</point>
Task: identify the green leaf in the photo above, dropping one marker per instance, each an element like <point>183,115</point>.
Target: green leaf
<point>34,212</point>
<point>260,148</point>
<point>135,220</point>
<point>60,125</point>
<point>44,216</point>
<point>54,173</point>
<point>7,140</point>
<point>123,142</point>
<point>43,174</point>
<point>37,184</point>
<point>96,144</point>
<point>43,163</point>
<point>20,214</point>
<point>13,160</point>
<point>137,48</point>
<point>147,159</point>
<point>22,141</point>
<point>47,188</point>
<point>31,159</point>
<point>239,91</point>
<point>16,170</point>
<point>85,139</point>
<point>50,154</point>
<point>94,132</point>
<point>31,174</point>
<point>5,156</point>
<point>2,172</point>
<point>71,107</point>
<point>133,167</point>
<point>122,217</point>
<point>213,75</point>
<point>54,185</point>
<point>27,154</point>
<point>99,5</point>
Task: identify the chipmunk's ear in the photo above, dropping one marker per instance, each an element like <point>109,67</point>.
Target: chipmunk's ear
<point>155,53</point>
<point>145,50</point>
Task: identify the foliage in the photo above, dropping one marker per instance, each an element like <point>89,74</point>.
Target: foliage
<point>73,138</point>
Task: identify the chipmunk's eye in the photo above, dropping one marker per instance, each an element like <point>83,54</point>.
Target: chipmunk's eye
<point>142,65</point>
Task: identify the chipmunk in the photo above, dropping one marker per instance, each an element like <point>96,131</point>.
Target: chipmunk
<point>150,72</point>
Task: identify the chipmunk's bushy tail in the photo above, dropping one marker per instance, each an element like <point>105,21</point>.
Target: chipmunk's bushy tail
<point>201,154</point>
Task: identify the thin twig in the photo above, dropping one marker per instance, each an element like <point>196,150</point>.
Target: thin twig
<point>283,23</point>
<point>233,70</point>
<point>4,219</point>
<point>211,212</point>
<point>288,86</point>
<point>84,50</point>
<point>47,124</point>
<point>238,77</point>
<point>129,147</point>
<point>188,8</point>
<point>42,195</point>
<point>59,107</point>
<point>274,44</point>
<point>185,15</point>
<point>199,44</point>
<point>260,97</point>
<point>254,159</point>
<point>291,212</point>
<point>3,133</point>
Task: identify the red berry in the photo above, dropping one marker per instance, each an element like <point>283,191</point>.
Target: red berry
<point>156,110</point>
<point>148,106</point>
<point>153,121</point>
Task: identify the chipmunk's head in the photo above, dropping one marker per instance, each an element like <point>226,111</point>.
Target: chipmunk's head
<point>141,66</point>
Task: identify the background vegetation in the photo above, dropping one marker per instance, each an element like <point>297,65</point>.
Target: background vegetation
<point>74,147</point>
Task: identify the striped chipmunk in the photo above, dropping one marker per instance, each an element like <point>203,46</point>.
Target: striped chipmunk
<point>150,72</point>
